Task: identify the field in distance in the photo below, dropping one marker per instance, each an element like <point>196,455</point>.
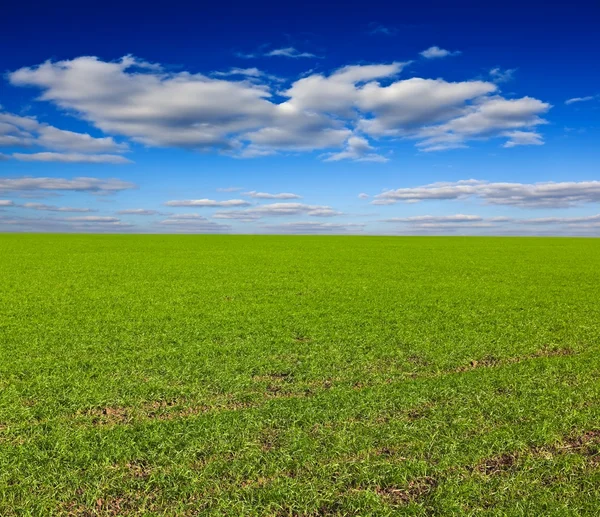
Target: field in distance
<point>299,376</point>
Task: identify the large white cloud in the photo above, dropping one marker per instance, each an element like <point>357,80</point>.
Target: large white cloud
<point>239,113</point>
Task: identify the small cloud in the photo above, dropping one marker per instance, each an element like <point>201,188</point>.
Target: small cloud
<point>230,189</point>
<point>377,28</point>
<point>314,227</point>
<point>362,195</point>
<point>139,211</point>
<point>523,138</point>
<point>248,73</point>
<point>357,149</point>
<point>89,219</point>
<point>266,195</point>
<point>502,76</point>
<point>207,203</point>
<point>580,99</point>
<point>53,208</point>
<point>437,52</point>
<point>288,52</point>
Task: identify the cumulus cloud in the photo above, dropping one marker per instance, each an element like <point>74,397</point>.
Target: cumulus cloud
<point>238,113</point>
<point>524,195</point>
<point>266,195</point>
<point>437,52</point>
<point>357,149</point>
<point>580,99</point>
<point>18,131</point>
<point>61,140</point>
<point>207,203</point>
<point>362,195</point>
<point>80,184</point>
<point>277,209</point>
<point>71,158</point>
<point>488,118</point>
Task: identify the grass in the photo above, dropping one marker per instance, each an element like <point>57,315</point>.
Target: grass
<point>288,376</point>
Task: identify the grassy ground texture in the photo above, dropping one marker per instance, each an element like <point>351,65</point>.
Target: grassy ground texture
<point>299,376</point>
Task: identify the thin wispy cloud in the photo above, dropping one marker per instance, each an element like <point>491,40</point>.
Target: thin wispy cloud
<point>207,203</point>
<point>580,99</point>
<point>523,195</point>
<point>502,76</point>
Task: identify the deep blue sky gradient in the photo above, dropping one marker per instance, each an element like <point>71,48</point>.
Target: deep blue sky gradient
<point>553,48</point>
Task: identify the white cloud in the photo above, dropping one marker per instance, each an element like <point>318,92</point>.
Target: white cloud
<point>90,219</point>
<point>88,225</point>
<point>533,195</point>
<point>502,76</point>
<point>580,99</point>
<point>61,140</point>
<point>357,149</point>
<point>437,52</point>
<point>53,208</point>
<point>71,158</point>
<point>288,52</point>
<point>523,138</point>
<point>277,209</point>
<point>266,195</point>
<point>6,202</point>
<point>139,211</point>
<point>20,131</point>
<point>437,219</point>
<point>491,117</point>
<point>230,189</point>
<point>193,223</point>
<point>313,227</point>
<point>207,203</point>
<point>248,73</point>
<point>238,113</point>
<point>80,184</point>
<point>362,195</point>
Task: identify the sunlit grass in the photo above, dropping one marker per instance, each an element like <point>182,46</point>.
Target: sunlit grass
<point>247,375</point>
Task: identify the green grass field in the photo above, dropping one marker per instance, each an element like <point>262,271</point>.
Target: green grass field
<point>291,376</point>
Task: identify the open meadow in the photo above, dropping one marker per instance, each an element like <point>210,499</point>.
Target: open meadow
<point>299,376</point>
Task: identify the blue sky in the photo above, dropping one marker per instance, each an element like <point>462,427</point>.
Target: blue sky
<point>276,118</point>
